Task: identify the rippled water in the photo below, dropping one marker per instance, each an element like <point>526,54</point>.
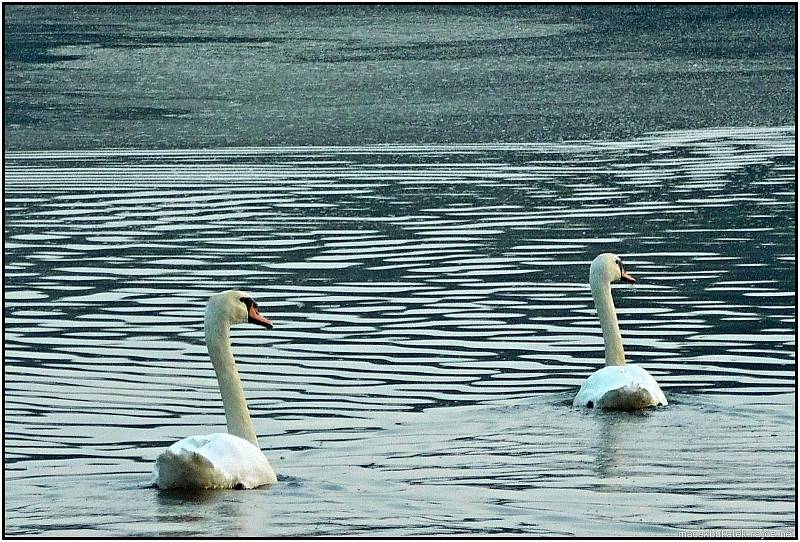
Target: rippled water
<point>433,321</point>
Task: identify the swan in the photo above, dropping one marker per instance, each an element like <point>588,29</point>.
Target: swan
<point>616,386</point>
<point>221,460</point>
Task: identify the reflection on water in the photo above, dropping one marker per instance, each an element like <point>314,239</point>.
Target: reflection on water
<point>433,320</point>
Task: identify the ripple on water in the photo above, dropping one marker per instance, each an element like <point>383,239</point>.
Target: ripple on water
<point>432,323</point>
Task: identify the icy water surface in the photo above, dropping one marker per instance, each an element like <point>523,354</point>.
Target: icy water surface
<point>433,322</point>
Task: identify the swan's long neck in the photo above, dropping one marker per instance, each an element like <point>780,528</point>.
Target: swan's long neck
<point>604,303</point>
<point>237,416</point>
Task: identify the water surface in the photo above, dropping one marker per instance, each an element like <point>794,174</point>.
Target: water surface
<point>433,322</point>
<point>197,76</point>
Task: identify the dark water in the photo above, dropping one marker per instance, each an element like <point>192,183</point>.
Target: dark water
<point>198,76</point>
<point>433,322</point>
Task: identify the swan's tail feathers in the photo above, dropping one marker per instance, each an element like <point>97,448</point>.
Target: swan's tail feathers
<point>185,469</point>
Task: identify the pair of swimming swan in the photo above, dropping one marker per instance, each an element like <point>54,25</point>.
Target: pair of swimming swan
<point>234,459</point>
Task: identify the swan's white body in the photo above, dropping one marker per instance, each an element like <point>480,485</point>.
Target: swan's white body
<point>625,387</point>
<point>221,460</point>
<point>616,386</point>
<point>216,461</point>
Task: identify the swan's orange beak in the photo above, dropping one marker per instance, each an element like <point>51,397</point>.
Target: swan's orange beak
<point>254,317</point>
<point>626,277</point>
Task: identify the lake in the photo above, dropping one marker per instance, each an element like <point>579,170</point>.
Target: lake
<point>211,76</point>
<point>433,322</point>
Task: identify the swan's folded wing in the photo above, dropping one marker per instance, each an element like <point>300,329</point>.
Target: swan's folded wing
<point>217,461</point>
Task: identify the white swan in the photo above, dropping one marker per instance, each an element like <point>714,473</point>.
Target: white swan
<point>221,460</point>
<point>616,386</point>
